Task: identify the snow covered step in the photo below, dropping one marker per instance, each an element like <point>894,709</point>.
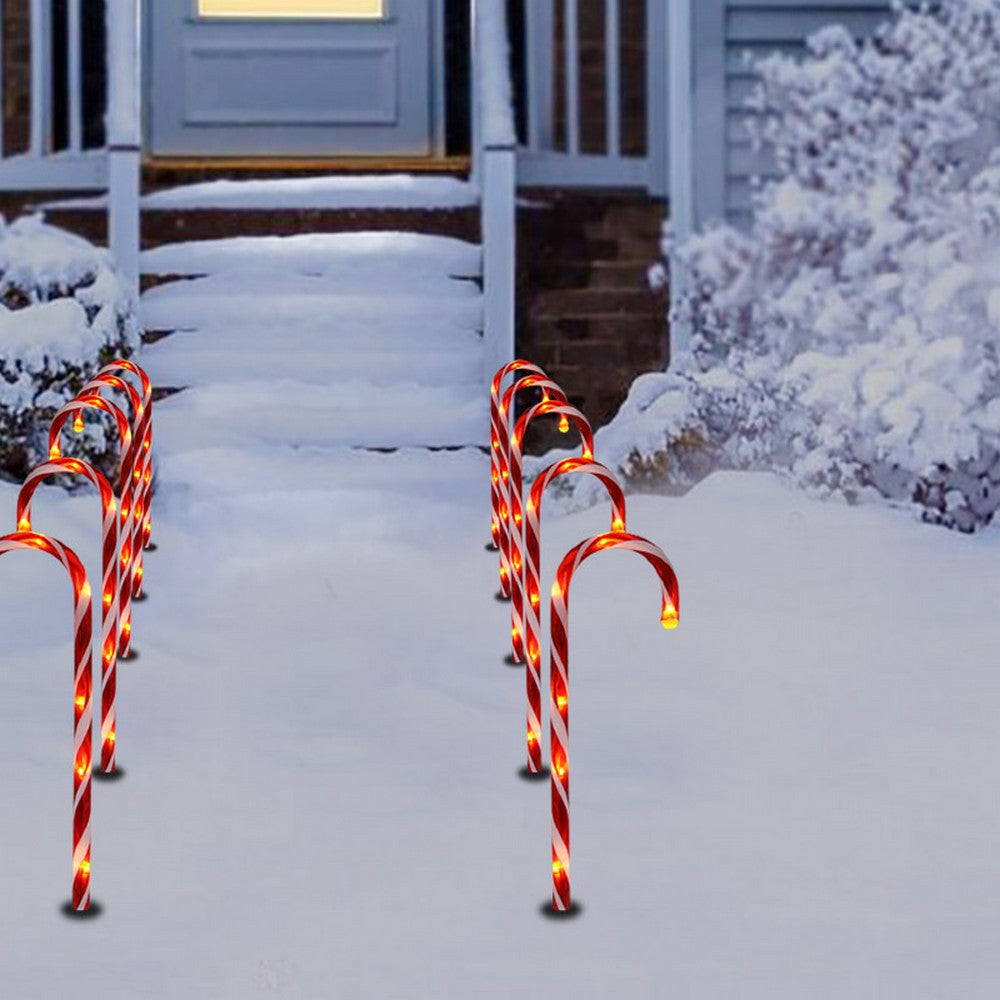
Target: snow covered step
<point>287,301</point>
<point>225,470</point>
<point>295,413</point>
<point>203,357</point>
<point>376,259</point>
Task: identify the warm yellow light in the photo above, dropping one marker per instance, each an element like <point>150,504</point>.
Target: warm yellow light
<point>78,423</point>
<point>669,617</point>
<point>111,737</point>
<point>24,524</point>
<point>531,737</point>
<point>124,558</point>
<point>54,451</point>
<point>503,572</point>
<point>291,8</point>
<point>85,869</point>
<point>124,512</point>
<point>147,475</point>
<point>108,652</point>
<point>617,524</point>
<point>561,701</point>
<point>588,454</point>
<point>495,442</point>
<point>505,475</point>
<point>504,513</point>
<point>563,423</point>
<point>517,563</point>
<point>561,770</point>
<point>81,770</point>
<point>556,589</point>
<point>85,589</point>
<point>127,628</point>
<point>534,598</point>
<point>107,597</point>
<point>81,701</point>
<point>136,473</point>
<point>515,633</point>
<point>531,504</point>
<point>557,868</point>
<point>495,476</point>
<point>503,409</point>
<point>533,652</point>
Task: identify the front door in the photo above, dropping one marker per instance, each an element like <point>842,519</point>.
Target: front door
<point>320,78</point>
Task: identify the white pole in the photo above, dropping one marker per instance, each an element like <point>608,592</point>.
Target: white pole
<point>680,151</point>
<point>40,47</point>
<point>571,46</point>
<point>124,128</point>
<point>74,74</point>
<point>612,80</point>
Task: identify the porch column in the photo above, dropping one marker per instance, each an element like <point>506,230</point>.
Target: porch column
<point>124,134</point>
<point>680,150</point>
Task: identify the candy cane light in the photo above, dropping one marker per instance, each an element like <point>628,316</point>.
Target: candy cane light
<point>125,552</point>
<point>145,441</point>
<point>499,437</point>
<point>109,585</point>
<point>515,518</point>
<point>531,589</point>
<point>82,703</point>
<point>559,681</point>
<point>549,389</point>
<point>140,460</point>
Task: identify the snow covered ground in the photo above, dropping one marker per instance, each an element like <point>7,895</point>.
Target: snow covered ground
<point>790,796</point>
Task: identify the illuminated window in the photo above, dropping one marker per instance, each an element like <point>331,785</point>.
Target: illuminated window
<point>291,8</point>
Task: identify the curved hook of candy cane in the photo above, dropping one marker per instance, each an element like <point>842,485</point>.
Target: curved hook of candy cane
<point>140,463</point>
<point>109,585</point>
<point>82,703</point>
<point>530,588</point>
<point>559,680</point>
<point>499,435</point>
<point>502,512</point>
<point>125,556</point>
<point>515,527</point>
<point>145,441</point>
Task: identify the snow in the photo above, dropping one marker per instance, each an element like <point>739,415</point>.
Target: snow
<point>493,68</point>
<point>332,191</point>
<point>320,744</point>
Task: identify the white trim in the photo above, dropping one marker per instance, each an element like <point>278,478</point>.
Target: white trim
<point>555,169</point>
<point>66,171</point>
<point>680,150</point>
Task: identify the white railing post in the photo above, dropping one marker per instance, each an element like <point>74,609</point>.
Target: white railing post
<point>571,61</point>
<point>539,26</point>
<point>124,127</point>
<point>74,74</point>
<point>41,45</point>
<point>680,152</point>
<point>497,179</point>
<point>612,79</point>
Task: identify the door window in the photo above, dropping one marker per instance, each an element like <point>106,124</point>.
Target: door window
<point>292,8</point>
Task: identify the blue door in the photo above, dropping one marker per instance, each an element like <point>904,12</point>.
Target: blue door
<point>320,78</point>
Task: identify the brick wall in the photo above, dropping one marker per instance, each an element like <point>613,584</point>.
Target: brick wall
<point>16,76</point>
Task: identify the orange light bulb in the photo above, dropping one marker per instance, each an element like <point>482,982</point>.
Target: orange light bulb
<point>617,524</point>
<point>24,524</point>
<point>534,598</point>
<point>588,454</point>
<point>517,517</point>
<point>557,868</point>
<point>78,423</point>
<point>81,700</point>
<point>669,618</point>
<point>561,701</point>
<point>563,424</point>
<point>85,869</point>
<point>505,475</point>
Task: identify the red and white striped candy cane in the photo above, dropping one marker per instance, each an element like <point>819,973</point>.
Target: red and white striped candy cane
<point>144,441</point>
<point>559,680</point>
<point>549,389</point>
<point>125,560</point>
<point>109,585</point>
<point>499,437</point>
<point>566,413</point>
<point>139,461</point>
<point>82,704</point>
<point>532,590</point>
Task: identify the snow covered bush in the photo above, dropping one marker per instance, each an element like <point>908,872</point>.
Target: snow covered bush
<point>850,337</point>
<point>64,313</point>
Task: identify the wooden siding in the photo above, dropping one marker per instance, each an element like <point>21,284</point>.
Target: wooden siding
<point>725,32</point>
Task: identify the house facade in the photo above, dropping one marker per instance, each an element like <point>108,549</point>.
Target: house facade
<point>642,97</point>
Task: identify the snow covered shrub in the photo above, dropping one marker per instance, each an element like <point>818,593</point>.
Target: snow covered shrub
<point>64,313</point>
<point>850,338</point>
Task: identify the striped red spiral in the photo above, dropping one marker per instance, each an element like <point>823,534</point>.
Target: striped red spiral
<point>559,680</point>
<point>143,441</point>
<point>549,389</point>
<point>109,583</point>
<point>499,436</point>
<point>532,589</point>
<point>82,702</point>
<point>566,414</point>
<point>93,388</point>
<point>125,561</point>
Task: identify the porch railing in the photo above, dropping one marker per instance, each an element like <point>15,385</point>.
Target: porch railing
<point>543,160</point>
<point>494,168</point>
<point>75,166</point>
